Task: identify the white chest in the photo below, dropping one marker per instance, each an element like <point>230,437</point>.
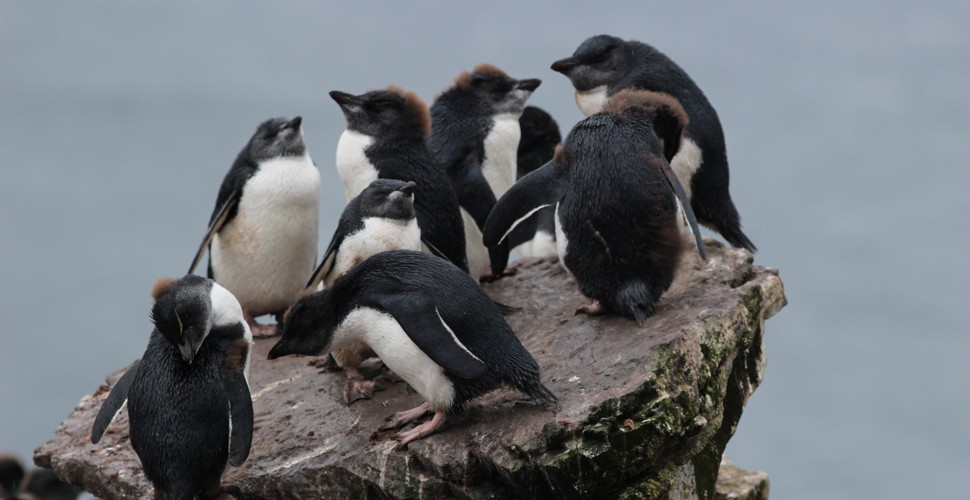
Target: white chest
<point>501,151</point>
<point>378,235</point>
<point>686,162</point>
<point>385,336</point>
<point>591,101</point>
<point>561,242</point>
<point>356,171</point>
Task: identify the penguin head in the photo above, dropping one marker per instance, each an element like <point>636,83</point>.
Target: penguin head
<point>600,60</point>
<point>389,199</point>
<point>665,114</point>
<point>495,91</point>
<point>275,138</point>
<point>392,112</point>
<point>308,327</point>
<point>182,312</point>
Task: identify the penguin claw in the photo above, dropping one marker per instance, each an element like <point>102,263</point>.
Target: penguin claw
<point>593,308</point>
<point>423,430</point>
<point>489,277</point>
<point>358,389</point>
<point>402,418</point>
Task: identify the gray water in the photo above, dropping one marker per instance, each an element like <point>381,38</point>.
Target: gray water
<point>847,128</point>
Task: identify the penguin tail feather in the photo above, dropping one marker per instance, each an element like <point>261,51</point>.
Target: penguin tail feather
<point>540,392</point>
<point>635,300</point>
<point>737,238</point>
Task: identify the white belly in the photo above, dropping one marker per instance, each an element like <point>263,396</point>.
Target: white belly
<point>477,252</point>
<point>686,162</point>
<point>541,245</point>
<point>356,171</point>
<point>591,101</point>
<point>266,253</point>
<point>561,242</point>
<point>378,235</point>
<point>501,153</point>
<point>386,337</point>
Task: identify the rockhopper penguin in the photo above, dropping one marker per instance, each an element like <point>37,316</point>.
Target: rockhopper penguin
<point>428,321</point>
<point>616,200</point>
<point>189,405</point>
<point>604,65</point>
<point>262,235</point>
<point>385,135</point>
<point>379,219</point>
<point>475,138</point>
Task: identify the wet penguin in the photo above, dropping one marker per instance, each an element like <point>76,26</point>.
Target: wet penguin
<point>385,138</point>
<point>536,236</point>
<point>604,65</point>
<point>616,202</point>
<point>475,136</point>
<point>428,321</point>
<point>189,407</point>
<point>379,219</point>
<point>262,235</point>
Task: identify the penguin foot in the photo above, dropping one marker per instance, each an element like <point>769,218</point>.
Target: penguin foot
<point>325,363</point>
<point>423,430</point>
<point>402,418</point>
<point>389,376</point>
<point>258,330</point>
<point>593,308</point>
<point>357,389</point>
<point>489,277</point>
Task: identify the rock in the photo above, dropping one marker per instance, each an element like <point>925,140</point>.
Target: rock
<point>644,412</point>
<point>735,483</point>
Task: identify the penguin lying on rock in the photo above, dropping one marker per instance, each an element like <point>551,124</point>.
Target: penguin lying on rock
<point>616,203</point>
<point>385,135</point>
<point>475,138</point>
<point>604,65</point>
<point>379,219</point>
<point>189,405</point>
<point>428,321</point>
<point>262,235</point>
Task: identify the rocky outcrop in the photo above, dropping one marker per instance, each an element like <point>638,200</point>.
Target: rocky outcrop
<point>644,412</point>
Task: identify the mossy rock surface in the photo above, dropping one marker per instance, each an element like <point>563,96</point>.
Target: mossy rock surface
<point>644,412</point>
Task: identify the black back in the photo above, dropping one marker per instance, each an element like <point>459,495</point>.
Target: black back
<point>540,136</point>
<point>619,214</point>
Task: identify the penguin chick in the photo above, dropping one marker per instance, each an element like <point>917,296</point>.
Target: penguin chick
<point>475,136</point>
<point>385,135</point>
<point>189,405</point>
<point>42,483</point>
<point>429,322</point>
<point>379,219</point>
<point>262,236</point>
<point>604,65</point>
<point>616,203</point>
<point>536,236</point>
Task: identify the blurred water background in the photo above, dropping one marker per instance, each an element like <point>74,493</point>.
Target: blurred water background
<point>848,129</point>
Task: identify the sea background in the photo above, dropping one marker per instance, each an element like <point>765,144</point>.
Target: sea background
<point>848,132</point>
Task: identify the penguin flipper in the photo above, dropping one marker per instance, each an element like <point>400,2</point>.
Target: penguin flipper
<point>424,325</point>
<point>109,410</point>
<point>219,219</point>
<point>542,187</point>
<point>477,198</point>
<point>685,206</point>
<point>240,402</point>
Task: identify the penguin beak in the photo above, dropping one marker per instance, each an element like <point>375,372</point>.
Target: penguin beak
<point>294,123</point>
<point>408,188</point>
<point>529,85</point>
<point>188,353</point>
<point>565,65</point>
<point>277,351</point>
<point>344,99</point>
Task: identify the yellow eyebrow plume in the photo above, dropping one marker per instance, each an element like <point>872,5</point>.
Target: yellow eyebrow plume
<point>181,332</point>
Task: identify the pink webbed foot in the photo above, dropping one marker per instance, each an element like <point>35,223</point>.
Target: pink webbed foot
<point>426,429</point>
<point>593,308</point>
<point>358,387</point>
<point>402,418</point>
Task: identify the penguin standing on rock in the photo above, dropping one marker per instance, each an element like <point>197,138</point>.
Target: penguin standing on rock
<point>379,219</point>
<point>428,321</point>
<point>385,138</point>
<point>262,235</point>
<point>616,203</point>
<point>475,137</point>
<point>536,236</point>
<point>604,65</point>
<point>189,405</point>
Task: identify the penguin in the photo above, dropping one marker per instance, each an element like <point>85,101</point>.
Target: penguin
<point>536,236</point>
<point>429,322</point>
<point>189,406</point>
<point>11,474</point>
<point>616,203</point>
<point>385,138</point>
<point>42,483</point>
<point>604,65</point>
<point>262,235</point>
<point>379,219</point>
<point>475,136</point>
